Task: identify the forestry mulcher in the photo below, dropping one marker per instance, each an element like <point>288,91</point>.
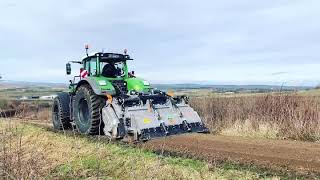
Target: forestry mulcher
<point>107,99</point>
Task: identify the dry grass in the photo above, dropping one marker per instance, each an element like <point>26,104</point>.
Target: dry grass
<point>29,152</point>
<point>16,160</point>
<point>267,115</point>
<point>275,116</point>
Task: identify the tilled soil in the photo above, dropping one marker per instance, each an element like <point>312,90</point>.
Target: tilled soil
<point>295,156</point>
<point>283,155</point>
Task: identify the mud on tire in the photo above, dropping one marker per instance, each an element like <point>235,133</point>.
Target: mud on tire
<point>61,112</point>
<point>87,111</point>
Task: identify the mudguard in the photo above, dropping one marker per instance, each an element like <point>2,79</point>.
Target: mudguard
<point>97,89</point>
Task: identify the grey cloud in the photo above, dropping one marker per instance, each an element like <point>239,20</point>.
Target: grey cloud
<point>177,36</point>
<point>278,73</point>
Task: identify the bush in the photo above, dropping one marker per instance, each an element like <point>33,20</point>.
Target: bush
<point>3,104</point>
<point>294,117</point>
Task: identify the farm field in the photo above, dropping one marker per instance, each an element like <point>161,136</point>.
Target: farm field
<point>15,93</point>
<point>34,151</point>
<point>278,155</point>
<point>280,116</point>
<point>253,136</point>
<point>34,144</point>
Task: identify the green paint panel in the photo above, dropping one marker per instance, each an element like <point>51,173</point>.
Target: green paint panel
<point>103,82</point>
<point>137,84</point>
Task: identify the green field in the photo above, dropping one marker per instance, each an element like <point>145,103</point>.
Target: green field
<point>14,93</point>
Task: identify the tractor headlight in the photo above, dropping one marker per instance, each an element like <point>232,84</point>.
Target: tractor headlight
<point>102,83</point>
<point>146,83</point>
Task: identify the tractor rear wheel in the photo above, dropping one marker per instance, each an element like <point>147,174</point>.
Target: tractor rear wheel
<point>61,112</point>
<point>87,108</point>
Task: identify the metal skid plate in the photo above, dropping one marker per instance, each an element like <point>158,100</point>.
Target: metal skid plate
<point>189,114</point>
<point>111,120</point>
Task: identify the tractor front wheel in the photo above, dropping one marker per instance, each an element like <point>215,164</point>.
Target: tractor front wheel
<point>87,108</point>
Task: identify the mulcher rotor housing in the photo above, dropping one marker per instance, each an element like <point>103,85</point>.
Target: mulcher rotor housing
<point>107,99</point>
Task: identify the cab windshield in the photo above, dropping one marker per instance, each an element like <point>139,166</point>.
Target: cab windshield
<point>112,70</point>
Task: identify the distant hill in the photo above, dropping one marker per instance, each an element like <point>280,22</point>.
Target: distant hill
<point>231,87</point>
<point>23,84</point>
<point>223,88</point>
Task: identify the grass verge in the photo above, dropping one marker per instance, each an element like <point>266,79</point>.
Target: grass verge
<point>32,152</point>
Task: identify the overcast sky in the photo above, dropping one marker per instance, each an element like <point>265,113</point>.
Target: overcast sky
<point>208,41</point>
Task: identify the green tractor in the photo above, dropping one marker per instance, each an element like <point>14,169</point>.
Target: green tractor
<point>107,99</point>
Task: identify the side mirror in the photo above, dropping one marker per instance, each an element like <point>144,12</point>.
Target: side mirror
<point>68,68</point>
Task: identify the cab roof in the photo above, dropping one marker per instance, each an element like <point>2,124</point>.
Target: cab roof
<point>109,57</point>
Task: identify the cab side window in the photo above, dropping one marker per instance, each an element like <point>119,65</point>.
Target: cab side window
<point>93,67</point>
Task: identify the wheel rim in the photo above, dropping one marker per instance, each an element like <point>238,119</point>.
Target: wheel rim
<point>83,111</point>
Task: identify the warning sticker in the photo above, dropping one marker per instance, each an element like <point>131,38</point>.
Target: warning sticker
<point>146,120</point>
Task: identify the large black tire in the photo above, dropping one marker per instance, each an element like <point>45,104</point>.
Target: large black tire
<point>61,112</point>
<point>87,108</point>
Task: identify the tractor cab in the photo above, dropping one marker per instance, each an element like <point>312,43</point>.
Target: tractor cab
<point>109,65</point>
<point>107,73</point>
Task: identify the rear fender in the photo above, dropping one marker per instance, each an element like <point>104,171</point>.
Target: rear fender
<point>95,87</point>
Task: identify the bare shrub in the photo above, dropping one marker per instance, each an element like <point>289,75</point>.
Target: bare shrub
<point>295,117</point>
<point>18,159</point>
<point>33,111</point>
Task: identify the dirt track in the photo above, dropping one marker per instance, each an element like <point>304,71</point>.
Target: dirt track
<point>301,157</point>
<point>291,155</point>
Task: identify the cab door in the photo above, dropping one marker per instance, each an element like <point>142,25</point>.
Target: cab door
<point>91,66</point>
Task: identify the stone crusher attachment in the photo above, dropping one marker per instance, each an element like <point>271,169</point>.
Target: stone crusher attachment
<point>144,117</point>
<point>106,99</point>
